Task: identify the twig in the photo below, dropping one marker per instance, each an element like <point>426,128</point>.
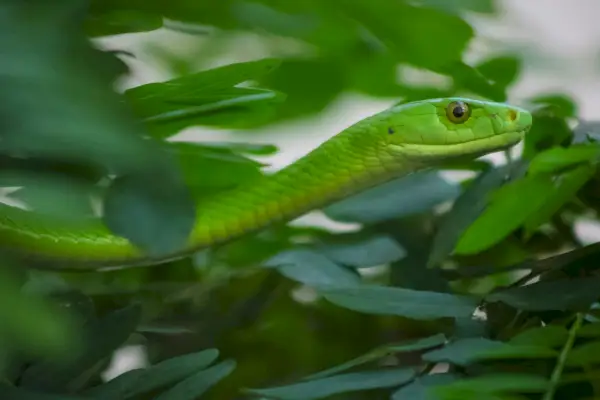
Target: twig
<point>562,358</point>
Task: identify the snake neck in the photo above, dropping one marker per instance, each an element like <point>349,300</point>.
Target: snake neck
<point>337,169</point>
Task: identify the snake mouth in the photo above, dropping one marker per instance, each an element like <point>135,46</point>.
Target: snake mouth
<point>507,139</point>
<point>473,147</point>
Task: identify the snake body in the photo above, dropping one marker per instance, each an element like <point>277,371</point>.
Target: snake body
<point>395,142</point>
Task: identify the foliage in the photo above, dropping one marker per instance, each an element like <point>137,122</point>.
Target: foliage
<point>491,297</point>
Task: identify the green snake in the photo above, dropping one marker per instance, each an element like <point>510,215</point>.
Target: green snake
<point>395,142</point>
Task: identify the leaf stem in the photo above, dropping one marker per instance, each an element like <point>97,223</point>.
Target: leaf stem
<point>562,358</point>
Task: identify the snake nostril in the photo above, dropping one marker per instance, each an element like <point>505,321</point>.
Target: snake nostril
<point>512,115</point>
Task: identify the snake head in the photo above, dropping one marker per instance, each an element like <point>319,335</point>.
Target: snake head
<point>445,128</point>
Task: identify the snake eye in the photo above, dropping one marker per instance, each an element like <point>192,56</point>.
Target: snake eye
<point>458,112</point>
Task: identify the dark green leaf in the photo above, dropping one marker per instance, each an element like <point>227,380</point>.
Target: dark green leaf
<point>551,336</point>
<point>15,393</point>
<point>493,383</point>
<point>566,187</point>
<point>362,252</point>
<point>568,294</point>
<point>584,355</point>
<point>122,21</point>
<point>560,104</point>
<point>470,350</point>
<point>589,330</point>
<point>155,213</point>
<point>102,337</point>
<point>550,129</point>
<point>421,388</point>
<point>410,195</point>
<point>469,205</point>
<point>313,269</point>
<point>197,384</point>
<point>510,207</point>
<point>352,382</point>
<point>417,304</point>
<point>138,382</point>
<point>380,352</point>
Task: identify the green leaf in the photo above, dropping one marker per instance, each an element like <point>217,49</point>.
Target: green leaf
<point>556,159</point>
<point>381,352</point>
<point>467,208</point>
<point>566,187</point>
<point>352,382</point>
<point>584,355</point>
<point>196,385</point>
<point>510,207</point>
<point>102,337</point>
<point>561,105</point>
<point>362,251</point>
<point>155,213</point>
<point>470,350</point>
<point>550,336</point>
<point>492,383</point>
<point>566,294</point>
<point>409,195</point>
<point>207,97</point>
<point>417,304</point>
<point>140,381</point>
<point>421,388</point>
<point>312,269</point>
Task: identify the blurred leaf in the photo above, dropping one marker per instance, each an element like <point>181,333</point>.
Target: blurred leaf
<point>471,350</point>
<point>52,194</point>
<point>401,197</point>
<point>197,384</point>
<point>558,158</point>
<point>420,388</point>
<point>140,381</point>
<point>382,351</point>
<point>206,168</point>
<point>467,208</point>
<point>352,382</point>
<point>58,100</point>
<point>568,294</point>
<point>101,336</point>
<point>561,105</point>
<point>565,188</point>
<point>30,324</point>
<point>157,218</point>
<point>312,269</point>
<point>14,393</point>
<point>586,354</point>
<point>547,336</point>
<point>589,330</point>
<point>357,251</point>
<point>502,70</point>
<point>509,208</point>
<point>456,6</point>
<point>411,31</point>
<point>416,304</point>
<point>492,383</point>
<point>122,21</point>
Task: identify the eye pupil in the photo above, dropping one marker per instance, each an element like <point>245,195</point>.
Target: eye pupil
<point>459,111</point>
